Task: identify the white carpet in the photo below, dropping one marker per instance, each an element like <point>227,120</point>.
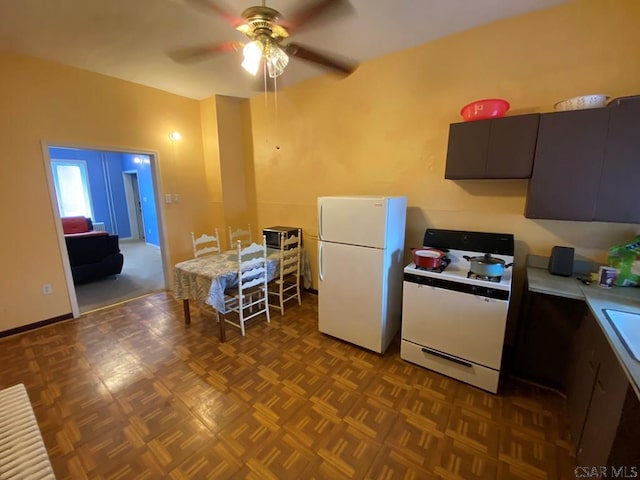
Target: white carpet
<point>141,275</point>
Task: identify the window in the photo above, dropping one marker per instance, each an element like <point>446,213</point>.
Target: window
<point>72,188</point>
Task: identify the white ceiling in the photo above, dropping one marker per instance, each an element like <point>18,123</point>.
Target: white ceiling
<point>128,39</point>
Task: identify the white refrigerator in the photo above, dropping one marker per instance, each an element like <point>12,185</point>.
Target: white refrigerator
<point>360,268</point>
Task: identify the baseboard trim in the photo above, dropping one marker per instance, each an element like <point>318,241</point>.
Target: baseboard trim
<point>33,326</point>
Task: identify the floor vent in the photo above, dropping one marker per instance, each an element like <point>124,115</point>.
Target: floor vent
<point>23,455</point>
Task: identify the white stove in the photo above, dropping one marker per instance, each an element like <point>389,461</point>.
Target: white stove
<point>452,323</point>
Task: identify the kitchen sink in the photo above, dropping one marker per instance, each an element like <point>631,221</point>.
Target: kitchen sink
<point>627,325</point>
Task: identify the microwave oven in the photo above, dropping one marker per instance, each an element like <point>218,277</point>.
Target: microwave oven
<point>272,235</point>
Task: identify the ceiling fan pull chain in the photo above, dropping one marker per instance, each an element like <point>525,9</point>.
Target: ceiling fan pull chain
<point>264,79</point>
<point>275,104</point>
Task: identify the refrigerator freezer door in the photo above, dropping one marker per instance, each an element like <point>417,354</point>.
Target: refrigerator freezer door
<point>353,220</point>
<point>351,294</point>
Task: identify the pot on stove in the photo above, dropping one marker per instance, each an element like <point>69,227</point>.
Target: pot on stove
<point>487,266</point>
<point>428,257</point>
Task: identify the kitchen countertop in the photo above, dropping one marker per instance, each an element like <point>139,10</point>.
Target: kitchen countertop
<point>598,299</point>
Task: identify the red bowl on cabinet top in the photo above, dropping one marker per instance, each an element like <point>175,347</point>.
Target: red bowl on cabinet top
<point>484,109</point>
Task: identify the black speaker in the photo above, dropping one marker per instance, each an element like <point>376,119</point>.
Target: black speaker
<point>561,261</point>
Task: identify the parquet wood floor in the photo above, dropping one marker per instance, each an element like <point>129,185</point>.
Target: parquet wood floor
<point>130,392</point>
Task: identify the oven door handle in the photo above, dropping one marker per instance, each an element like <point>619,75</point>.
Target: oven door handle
<point>451,358</point>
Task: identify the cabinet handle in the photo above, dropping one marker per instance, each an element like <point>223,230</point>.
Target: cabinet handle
<point>451,358</point>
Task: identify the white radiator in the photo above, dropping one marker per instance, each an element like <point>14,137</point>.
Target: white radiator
<point>23,455</point>
<point>99,227</point>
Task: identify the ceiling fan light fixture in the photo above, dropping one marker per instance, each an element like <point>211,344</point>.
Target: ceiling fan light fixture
<point>252,53</point>
<point>276,60</point>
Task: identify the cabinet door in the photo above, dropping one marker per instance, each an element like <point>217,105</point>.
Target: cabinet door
<point>546,333</point>
<point>567,165</point>
<point>606,407</point>
<point>625,449</point>
<point>618,194</point>
<point>467,150</point>
<point>582,376</point>
<point>512,143</point>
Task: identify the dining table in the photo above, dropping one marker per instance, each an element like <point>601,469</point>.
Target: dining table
<point>205,279</point>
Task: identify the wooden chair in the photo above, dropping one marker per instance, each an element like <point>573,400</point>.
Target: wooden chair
<point>286,285</point>
<point>243,235</point>
<point>205,244</point>
<point>249,298</point>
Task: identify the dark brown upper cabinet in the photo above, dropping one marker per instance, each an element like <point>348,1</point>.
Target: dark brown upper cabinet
<point>492,149</point>
<point>567,165</point>
<point>587,166</point>
<point>618,199</point>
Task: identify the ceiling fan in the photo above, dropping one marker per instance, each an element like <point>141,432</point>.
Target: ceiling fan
<point>266,30</point>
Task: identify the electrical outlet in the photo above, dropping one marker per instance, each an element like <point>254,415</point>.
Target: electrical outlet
<point>47,289</point>
<point>176,198</point>
<point>167,198</point>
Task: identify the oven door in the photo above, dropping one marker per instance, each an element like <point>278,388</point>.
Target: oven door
<point>462,325</point>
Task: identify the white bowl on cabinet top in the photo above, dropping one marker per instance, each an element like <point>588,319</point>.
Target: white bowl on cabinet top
<point>582,102</point>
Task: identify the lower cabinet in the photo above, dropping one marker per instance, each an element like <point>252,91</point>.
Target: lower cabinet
<point>626,445</point>
<point>596,393</point>
<point>582,376</point>
<point>547,326</point>
<point>561,345</point>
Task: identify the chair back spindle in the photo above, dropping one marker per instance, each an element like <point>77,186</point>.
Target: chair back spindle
<point>240,234</point>
<point>286,285</point>
<point>249,299</point>
<point>205,244</point>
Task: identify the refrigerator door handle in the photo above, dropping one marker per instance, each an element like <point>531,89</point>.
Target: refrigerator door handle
<point>320,273</point>
<point>320,221</point>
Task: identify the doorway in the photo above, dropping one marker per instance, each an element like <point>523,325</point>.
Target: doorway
<point>134,204</point>
<point>120,191</point>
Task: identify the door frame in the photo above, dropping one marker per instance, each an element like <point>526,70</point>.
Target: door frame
<point>62,245</point>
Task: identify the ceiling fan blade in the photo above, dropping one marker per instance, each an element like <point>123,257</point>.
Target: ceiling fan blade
<point>201,52</point>
<point>219,9</point>
<point>338,65</point>
<point>319,10</point>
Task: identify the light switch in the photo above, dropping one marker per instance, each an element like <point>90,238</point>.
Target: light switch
<point>167,198</point>
<point>176,198</point>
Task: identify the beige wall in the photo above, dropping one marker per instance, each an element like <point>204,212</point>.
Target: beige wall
<point>209,119</point>
<point>384,129</point>
<point>43,101</point>
<point>236,165</point>
<point>228,158</point>
<point>381,131</point>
